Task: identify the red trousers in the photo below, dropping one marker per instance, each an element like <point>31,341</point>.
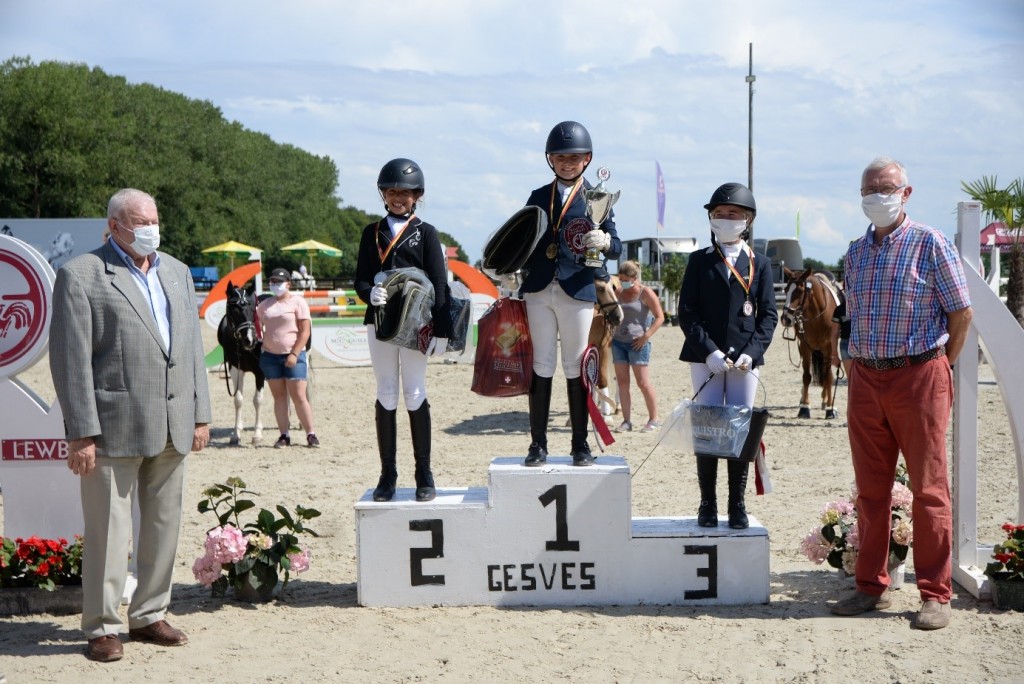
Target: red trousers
<point>903,410</point>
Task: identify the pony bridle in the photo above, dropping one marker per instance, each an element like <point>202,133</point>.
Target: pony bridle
<point>244,332</point>
<point>796,314</point>
<point>610,312</point>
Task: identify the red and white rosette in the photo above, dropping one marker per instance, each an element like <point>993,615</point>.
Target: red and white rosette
<point>588,376</point>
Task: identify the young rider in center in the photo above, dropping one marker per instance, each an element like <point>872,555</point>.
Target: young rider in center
<point>558,287</point>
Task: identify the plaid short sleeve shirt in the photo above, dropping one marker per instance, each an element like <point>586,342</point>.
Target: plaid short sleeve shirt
<point>899,291</point>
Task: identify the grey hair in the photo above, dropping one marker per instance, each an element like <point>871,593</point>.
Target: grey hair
<point>879,163</point>
<point>122,199</point>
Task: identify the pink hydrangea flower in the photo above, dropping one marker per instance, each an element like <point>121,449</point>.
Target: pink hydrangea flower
<point>300,561</point>
<point>206,570</point>
<point>902,497</point>
<point>850,561</point>
<point>903,533</point>
<point>853,537</point>
<point>815,547</point>
<point>225,544</point>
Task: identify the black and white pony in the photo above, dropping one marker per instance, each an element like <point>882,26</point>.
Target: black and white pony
<point>237,337</point>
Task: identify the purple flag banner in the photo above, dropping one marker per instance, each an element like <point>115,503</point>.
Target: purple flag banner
<point>661,197</point>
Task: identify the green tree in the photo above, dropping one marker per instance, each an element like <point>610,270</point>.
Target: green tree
<point>672,270</point>
<point>449,241</point>
<point>70,136</point>
<point>1006,205</point>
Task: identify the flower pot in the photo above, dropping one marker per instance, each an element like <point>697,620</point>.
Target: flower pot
<point>63,600</point>
<point>245,593</point>
<point>897,574</point>
<point>1007,594</point>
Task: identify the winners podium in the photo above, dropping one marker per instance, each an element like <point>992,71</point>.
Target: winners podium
<point>554,535</point>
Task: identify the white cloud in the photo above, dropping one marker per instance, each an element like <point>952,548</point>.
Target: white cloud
<point>471,89</point>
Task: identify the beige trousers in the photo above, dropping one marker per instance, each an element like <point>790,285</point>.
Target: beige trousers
<point>107,510</point>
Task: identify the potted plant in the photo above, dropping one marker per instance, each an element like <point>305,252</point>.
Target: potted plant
<point>1006,571</point>
<point>837,540</point>
<point>250,557</point>
<point>30,565</point>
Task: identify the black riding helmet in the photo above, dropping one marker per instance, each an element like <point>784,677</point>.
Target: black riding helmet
<point>401,173</point>
<point>404,174</point>
<point>736,194</point>
<point>568,137</point>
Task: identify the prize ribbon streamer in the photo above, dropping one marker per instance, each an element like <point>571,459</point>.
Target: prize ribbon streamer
<point>588,376</point>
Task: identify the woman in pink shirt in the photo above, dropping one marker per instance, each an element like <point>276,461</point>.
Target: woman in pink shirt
<point>285,323</point>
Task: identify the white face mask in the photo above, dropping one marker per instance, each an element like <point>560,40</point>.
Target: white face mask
<point>883,210</point>
<point>147,239</point>
<point>279,289</point>
<point>626,284</point>
<point>728,230</point>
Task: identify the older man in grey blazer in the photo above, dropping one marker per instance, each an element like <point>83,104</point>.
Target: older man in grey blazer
<point>126,357</point>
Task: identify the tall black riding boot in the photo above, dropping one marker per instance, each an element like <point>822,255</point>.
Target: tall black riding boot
<point>419,421</point>
<point>737,490</point>
<point>386,439</point>
<point>707,473</point>
<point>540,405</point>
<point>579,419</point>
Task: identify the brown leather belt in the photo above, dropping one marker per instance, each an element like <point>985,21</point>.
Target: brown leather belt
<point>901,361</point>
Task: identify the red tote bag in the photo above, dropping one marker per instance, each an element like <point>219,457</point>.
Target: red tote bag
<point>504,352</point>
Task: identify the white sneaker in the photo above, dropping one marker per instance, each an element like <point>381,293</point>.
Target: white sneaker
<point>626,426</point>
<point>651,426</point>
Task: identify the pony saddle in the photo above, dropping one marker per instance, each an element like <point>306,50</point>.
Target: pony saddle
<point>407,310</point>
<point>509,247</point>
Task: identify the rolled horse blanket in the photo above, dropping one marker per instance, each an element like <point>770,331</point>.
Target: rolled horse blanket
<point>407,311</point>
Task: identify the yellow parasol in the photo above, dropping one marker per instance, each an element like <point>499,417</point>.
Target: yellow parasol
<point>231,248</point>
<point>312,247</point>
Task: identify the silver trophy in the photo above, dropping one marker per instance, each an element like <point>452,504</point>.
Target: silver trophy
<point>599,205</point>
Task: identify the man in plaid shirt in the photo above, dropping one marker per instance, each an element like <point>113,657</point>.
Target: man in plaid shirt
<point>910,311</point>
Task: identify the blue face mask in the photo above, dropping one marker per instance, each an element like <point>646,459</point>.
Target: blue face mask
<point>626,284</point>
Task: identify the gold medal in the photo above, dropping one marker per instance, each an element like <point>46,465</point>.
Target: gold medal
<point>748,308</point>
<point>552,251</point>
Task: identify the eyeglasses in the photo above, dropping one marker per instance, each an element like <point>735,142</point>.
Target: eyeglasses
<point>733,214</point>
<point>880,190</point>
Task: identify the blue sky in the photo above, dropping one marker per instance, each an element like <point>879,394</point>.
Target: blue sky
<point>470,89</point>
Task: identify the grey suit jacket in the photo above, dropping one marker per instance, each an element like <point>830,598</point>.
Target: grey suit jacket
<point>115,379</point>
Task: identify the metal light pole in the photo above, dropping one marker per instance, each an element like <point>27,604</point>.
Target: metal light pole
<point>750,129</point>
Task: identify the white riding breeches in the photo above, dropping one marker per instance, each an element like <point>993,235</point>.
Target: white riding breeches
<point>734,387</point>
<point>391,361</point>
<point>554,315</point>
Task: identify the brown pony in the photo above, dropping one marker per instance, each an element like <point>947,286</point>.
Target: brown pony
<point>607,316</point>
<point>807,318</point>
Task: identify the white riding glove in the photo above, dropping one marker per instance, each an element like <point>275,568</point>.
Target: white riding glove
<point>378,296</point>
<point>716,361</point>
<point>744,363</point>
<point>437,346</point>
<point>597,239</point>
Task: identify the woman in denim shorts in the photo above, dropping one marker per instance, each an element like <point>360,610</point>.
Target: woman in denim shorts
<point>631,343</point>
<point>284,323</point>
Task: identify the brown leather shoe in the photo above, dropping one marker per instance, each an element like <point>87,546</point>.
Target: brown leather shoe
<point>104,649</point>
<point>159,633</point>
<point>861,603</point>
<point>933,615</point>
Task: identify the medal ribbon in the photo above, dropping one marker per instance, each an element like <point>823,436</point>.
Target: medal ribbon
<point>588,376</point>
<point>750,281</point>
<point>565,207</point>
<point>383,254</point>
